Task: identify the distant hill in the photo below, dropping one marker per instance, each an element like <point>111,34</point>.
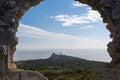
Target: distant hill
<point>59,60</point>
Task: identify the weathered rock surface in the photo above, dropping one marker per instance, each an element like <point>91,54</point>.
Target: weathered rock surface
<point>21,75</point>
<point>11,12</point>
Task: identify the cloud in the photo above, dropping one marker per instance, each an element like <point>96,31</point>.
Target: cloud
<point>32,38</point>
<point>87,27</point>
<point>77,4</point>
<point>71,20</point>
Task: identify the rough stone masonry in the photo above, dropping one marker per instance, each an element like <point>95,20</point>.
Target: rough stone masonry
<point>11,12</point>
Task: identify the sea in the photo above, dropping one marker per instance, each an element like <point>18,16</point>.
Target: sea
<point>88,54</point>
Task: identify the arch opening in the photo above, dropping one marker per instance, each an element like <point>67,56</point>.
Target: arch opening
<point>81,30</point>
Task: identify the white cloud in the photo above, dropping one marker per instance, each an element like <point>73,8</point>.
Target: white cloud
<point>92,15</point>
<point>87,27</point>
<point>70,20</point>
<point>77,4</point>
<point>31,38</point>
<point>89,8</point>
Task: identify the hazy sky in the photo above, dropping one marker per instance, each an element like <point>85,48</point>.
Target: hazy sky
<point>61,24</point>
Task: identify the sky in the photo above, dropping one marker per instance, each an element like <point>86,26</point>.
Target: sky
<point>62,24</point>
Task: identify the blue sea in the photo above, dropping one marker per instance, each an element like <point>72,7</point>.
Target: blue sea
<point>89,54</point>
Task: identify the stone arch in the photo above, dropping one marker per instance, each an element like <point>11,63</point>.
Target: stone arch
<point>110,14</point>
<point>13,10</point>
